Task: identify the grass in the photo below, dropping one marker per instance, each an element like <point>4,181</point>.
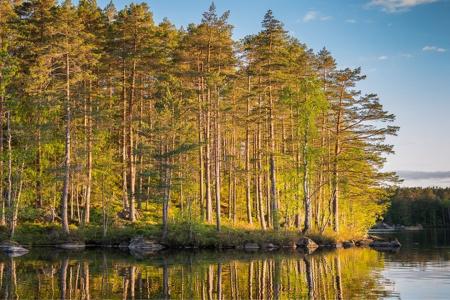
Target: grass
<point>181,234</point>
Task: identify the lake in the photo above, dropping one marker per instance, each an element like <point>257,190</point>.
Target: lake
<point>420,270</point>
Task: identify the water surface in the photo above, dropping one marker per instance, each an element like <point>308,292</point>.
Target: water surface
<point>420,270</point>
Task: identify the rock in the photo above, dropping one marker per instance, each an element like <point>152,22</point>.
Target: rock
<point>307,244</point>
<point>375,237</point>
<point>383,226</point>
<point>336,245</point>
<point>364,242</point>
<point>72,246</point>
<point>289,245</point>
<point>269,246</point>
<point>251,246</point>
<point>124,245</point>
<point>384,245</point>
<point>141,244</point>
<point>196,247</point>
<point>348,244</point>
<point>12,249</point>
<point>413,228</point>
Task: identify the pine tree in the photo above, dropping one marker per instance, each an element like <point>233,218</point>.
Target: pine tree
<point>71,50</point>
<point>264,131</point>
<point>134,31</point>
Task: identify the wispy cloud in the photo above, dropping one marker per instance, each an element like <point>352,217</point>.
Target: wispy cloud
<point>415,175</point>
<point>351,21</point>
<point>433,49</point>
<point>382,57</point>
<point>425,179</point>
<point>313,15</point>
<point>406,55</point>
<point>398,5</point>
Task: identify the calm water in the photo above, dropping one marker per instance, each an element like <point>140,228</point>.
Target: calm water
<point>420,270</point>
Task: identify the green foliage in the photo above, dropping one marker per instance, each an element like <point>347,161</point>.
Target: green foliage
<point>181,126</point>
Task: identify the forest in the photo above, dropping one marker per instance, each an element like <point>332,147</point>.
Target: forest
<point>429,207</point>
<point>110,120</point>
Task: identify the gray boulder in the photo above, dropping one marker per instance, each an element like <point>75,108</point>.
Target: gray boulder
<point>142,244</point>
<point>251,246</point>
<point>364,242</point>
<point>384,245</point>
<point>12,249</point>
<point>348,244</point>
<point>269,246</point>
<point>307,244</point>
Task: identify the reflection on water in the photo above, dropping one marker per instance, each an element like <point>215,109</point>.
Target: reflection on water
<point>344,274</point>
<point>97,274</point>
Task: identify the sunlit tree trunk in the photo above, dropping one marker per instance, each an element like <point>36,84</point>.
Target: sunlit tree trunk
<point>131,147</point>
<point>217,161</point>
<point>124,141</point>
<point>247,158</point>
<point>200,142</point>
<point>88,124</point>
<point>67,160</point>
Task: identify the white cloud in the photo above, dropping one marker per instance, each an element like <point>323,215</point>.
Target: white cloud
<point>351,21</point>
<point>407,55</point>
<point>382,57</point>
<point>313,15</point>
<point>398,5</point>
<point>310,16</point>
<point>433,49</point>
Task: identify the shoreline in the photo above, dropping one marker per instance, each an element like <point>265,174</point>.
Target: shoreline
<point>147,238</point>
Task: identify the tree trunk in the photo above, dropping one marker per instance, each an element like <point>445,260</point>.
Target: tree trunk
<point>306,196</point>
<point>258,179</point>
<point>200,142</point>
<point>10,188</point>
<point>167,174</point>
<point>124,142</point>
<point>131,158</point>
<point>273,186</point>
<point>38,170</point>
<point>247,159</point>
<point>208,160</point>
<point>65,192</point>
<point>337,150</point>
<point>88,113</point>
<point>16,205</point>
<point>217,161</point>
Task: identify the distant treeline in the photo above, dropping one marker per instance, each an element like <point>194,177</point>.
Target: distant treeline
<point>426,206</point>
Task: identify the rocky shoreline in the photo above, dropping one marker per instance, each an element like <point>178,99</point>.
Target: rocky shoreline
<point>141,246</point>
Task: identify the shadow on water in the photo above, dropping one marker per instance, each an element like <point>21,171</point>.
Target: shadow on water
<point>46,273</point>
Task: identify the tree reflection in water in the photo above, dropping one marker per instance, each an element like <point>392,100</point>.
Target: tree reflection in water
<point>95,274</point>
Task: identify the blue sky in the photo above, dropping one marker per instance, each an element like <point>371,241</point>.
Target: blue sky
<point>402,45</point>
